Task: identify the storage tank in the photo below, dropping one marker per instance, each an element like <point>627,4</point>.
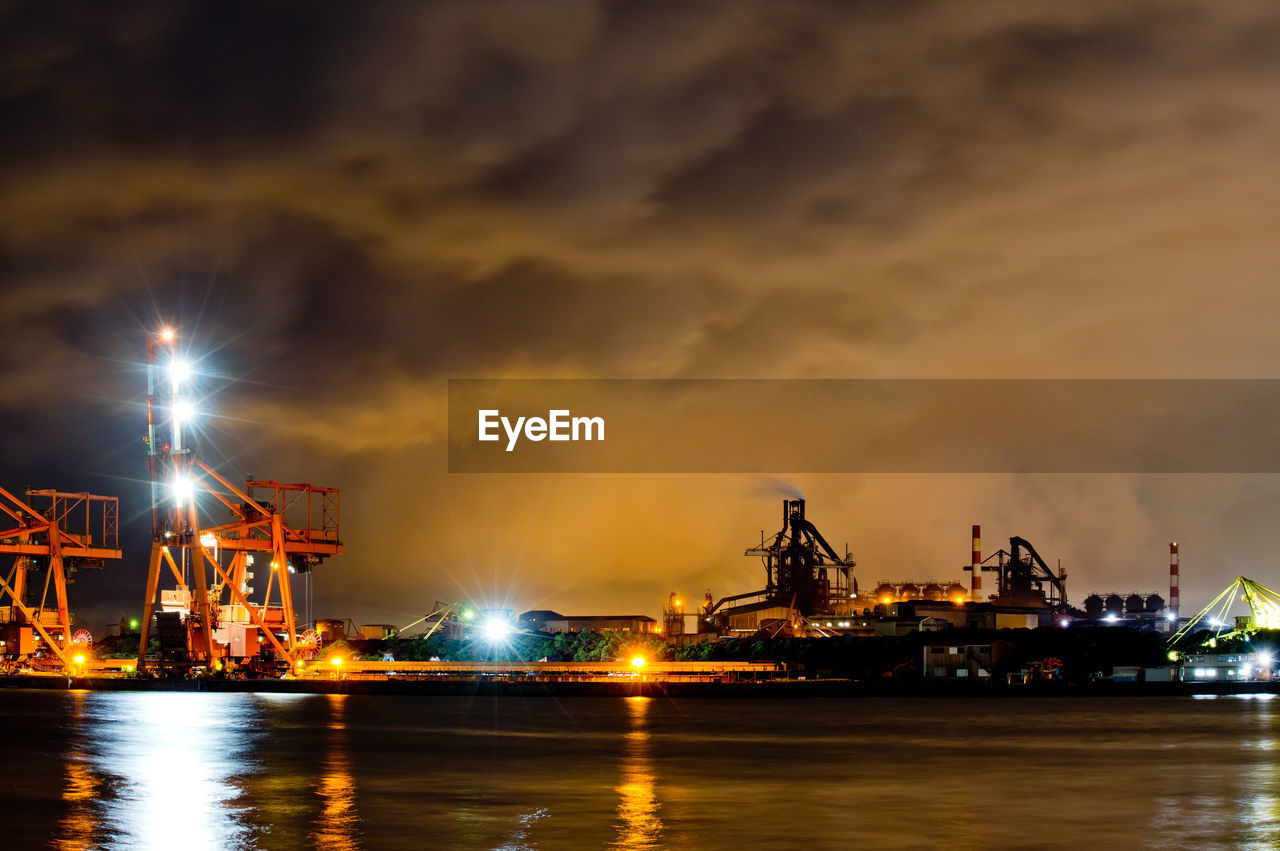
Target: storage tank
<point>1155,603</point>
<point>1133,604</point>
<point>933,591</point>
<point>957,593</point>
<point>886,593</point>
<point>1093,606</point>
<point>910,591</point>
<point>1114,605</point>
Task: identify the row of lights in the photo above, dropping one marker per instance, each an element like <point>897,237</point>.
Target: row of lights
<point>182,412</point>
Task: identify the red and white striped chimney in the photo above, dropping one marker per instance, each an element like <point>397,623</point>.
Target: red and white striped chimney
<point>975,579</point>
<point>1173,582</point>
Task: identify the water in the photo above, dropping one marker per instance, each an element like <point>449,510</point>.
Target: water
<point>191,770</point>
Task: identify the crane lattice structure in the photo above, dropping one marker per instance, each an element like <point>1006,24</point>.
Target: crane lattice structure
<point>449,617</point>
<point>1264,607</point>
<point>294,526</point>
<point>61,532</point>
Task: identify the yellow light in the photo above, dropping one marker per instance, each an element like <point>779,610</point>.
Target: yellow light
<point>337,660</point>
<point>79,660</point>
<point>638,662</point>
<point>298,664</point>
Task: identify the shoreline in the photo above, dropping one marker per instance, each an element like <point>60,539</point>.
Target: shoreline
<point>671,689</point>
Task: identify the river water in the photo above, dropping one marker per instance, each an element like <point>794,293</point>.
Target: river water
<point>193,770</point>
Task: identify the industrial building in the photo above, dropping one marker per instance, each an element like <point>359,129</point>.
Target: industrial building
<point>544,620</point>
<point>805,580</point>
<point>944,660</point>
<point>926,615</point>
<point>1223,667</point>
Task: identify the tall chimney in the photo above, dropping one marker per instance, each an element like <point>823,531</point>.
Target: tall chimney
<point>975,578</point>
<point>1173,583</point>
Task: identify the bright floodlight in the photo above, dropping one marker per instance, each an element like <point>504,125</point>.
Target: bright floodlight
<point>1111,618</point>
<point>638,662</point>
<point>496,629</point>
<point>183,411</point>
<point>1265,658</point>
<point>166,334</point>
<point>179,371</point>
<point>79,660</point>
<point>183,490</point>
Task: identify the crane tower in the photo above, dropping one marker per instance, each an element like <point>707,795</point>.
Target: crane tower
<point>275,528</point>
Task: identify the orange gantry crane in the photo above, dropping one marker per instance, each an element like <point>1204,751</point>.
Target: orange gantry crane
<point>59,533</point>
<point>293,526</point>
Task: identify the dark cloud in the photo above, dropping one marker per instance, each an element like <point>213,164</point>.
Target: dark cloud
<point>345,205</point>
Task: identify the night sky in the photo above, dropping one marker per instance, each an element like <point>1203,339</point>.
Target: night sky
<point>341,206</point>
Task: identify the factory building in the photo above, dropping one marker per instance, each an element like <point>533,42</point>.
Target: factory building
<point>945,660</point>
<point>805,580</point>
<point>544,620</point>
<point>1224,667</point>
<point>925,615</point>
<point>753,617</point>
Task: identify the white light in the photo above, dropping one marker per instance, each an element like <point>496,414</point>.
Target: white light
<point>495,629</point>
<point>166,335</point>
<point>183,411</point>
<point>183,490</point>
<point>208,540</point>
<point>1064,623</point>
<point>179,371</point>
<point>1265,658</point>
<point>1111,618</point>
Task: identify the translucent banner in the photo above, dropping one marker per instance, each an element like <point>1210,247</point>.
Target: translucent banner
<point>863,426</point>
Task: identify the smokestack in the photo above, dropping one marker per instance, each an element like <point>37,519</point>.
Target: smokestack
<point>1173,582</point>
<point>975,578</point>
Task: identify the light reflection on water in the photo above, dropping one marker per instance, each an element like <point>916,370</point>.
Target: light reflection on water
<point>190,770</point>
<point>171,762</point>
<point>640,826</point>
<point>339,821</point>
<point>171,769</point>
<point>75,830</point>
